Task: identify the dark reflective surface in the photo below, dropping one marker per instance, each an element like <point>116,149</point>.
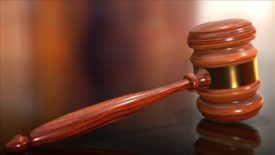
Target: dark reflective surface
<point>226,139</point>
<point>187,133</point>
<point>74,151</point>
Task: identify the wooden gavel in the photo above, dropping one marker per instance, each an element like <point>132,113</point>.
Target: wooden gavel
<point>226,79</point>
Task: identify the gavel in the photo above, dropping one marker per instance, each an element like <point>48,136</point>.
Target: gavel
<point>225,77</point>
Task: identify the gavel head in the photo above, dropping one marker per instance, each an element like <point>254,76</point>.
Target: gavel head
<point>223,50</point>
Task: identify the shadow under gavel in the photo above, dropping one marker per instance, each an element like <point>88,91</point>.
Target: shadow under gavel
<point>226,138</point>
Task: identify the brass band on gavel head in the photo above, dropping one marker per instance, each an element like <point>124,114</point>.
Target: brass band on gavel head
<point>223,48</point>
<point>233,76</point>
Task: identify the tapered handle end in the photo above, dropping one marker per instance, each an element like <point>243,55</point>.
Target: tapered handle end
<point>17,144</point>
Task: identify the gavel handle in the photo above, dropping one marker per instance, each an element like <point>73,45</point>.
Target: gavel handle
<point>95,116</point>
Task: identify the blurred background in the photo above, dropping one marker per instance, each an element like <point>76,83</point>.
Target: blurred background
<point>59,56</point>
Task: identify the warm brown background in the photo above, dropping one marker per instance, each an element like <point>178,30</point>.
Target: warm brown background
<point>59,56</point>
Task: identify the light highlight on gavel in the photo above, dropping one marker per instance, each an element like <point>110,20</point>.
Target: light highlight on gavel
<point>224,50</point>
<point>226,79</point>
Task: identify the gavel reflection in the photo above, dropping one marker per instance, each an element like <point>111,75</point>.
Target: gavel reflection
<point>226,79</point>
<point>226,138</point>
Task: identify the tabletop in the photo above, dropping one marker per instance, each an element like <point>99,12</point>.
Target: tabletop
<point>174,126</point>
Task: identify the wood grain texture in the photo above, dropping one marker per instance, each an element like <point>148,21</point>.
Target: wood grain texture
<point>222,57</point>
<point>227,96</point>
<point>100,114</point>
<point>221,47</point>
<point>221,34</point>
<point>216,44</point>
<point>231,112</point>
<point>222,43</point>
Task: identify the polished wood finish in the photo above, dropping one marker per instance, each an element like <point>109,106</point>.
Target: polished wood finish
<point>100,114</point>
<point>221,34</point>
<point>226,45</point>
<point>228,96</point>
<point>222,57</point>
<point>18,143</point>
<point>232,112</point>
<point>222,43</point>
<point>216,44</point>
